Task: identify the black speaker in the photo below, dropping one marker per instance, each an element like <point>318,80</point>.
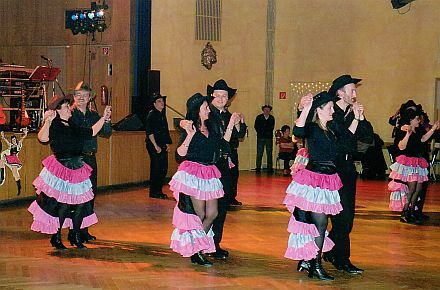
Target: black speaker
<point>130,123</point>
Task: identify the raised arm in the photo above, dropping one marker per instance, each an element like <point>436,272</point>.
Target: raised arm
<point>43,134</point>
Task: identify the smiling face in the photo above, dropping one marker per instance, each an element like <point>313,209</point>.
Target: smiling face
<point>220,99</point>
<point>325,112</point>
<point>348,93</point>
<point>81,98</point>
<point>64,112</point>
<point>204,111</point>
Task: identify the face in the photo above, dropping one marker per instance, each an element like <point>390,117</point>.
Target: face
<point>348,93</point>
<point>415,122</point>
<point>266,111</point>
<point>64,111</point>
<point>325,113</point>
<point>14,140</point>
<point>204,111</point>
<point>220,99</point>
<point>286,133</point>
<point>159,104</point>
<point>82,98</point>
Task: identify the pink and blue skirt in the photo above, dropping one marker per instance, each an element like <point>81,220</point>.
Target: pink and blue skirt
<point>300,162</point>
<point>55,185</point>
<point>311,192</point>
<point>202,182</point>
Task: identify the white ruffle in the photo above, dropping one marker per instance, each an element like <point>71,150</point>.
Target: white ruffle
<point>408,170</point>
<point>63,185</point>
<point>189,237</point>
<point>314,195</point>
<point>192,181</point>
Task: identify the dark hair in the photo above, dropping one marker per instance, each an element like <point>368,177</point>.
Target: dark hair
<point>13,137</point>
<point>409,115</point>
<point>64,101</point>
<point>194,115</point>
<point>284,128</point>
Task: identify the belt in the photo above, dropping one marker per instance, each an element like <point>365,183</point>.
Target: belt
<point>90,153</point>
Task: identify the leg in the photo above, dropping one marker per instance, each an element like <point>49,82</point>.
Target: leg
<point>91,161</point>
<point>77,219</point>
<point>269,147</point>
<point>163,170</point>
<point>234,177</point>
<point>155,172</point>
<point>260,149</point>
<point>16,175</point>
<point>62,211</point>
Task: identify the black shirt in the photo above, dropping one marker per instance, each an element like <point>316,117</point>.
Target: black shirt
<point>220,121</point>
<point>264,127</point>
<point>415,147</point>
<point>157,125</point>
<point>202,149</point>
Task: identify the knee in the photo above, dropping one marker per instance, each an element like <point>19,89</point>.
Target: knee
<point>211,216</point>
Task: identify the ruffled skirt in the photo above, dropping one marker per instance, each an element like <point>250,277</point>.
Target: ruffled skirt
<point>398,195</point>
<point>301,160</point>
<point>409,169</point>
<point>55,185</point>
<point>201,182</point>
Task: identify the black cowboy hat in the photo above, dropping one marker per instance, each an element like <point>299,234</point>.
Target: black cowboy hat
<point>56,100</point>
<point>194,102</point>
<point>320,99</point>
<point>266,106</point>
<point>341,81</point>
<point>157,96</point>
<point>223,86</point>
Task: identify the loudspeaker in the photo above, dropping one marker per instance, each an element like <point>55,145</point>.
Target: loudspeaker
<point>130,123</point>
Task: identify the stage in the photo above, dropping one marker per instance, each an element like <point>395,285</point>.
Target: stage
<point>132,250</point>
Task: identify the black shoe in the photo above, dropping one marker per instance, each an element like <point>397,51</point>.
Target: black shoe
<point>198,258</point>
<point>86,236</point>
<point>317,271</point>
<point>258,171</point>
<point>303,266</point>
<point>219,254</point>
<point>421,216</point>
<point>350,268</point>
<point>236,202</point>
<point>76,239</point>
<point>224,252</point>
<point>270,171</point>
<point>55,241</point>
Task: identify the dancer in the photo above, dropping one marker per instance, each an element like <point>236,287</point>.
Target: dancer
<point>410,167</point>
<point>196,185</point>
<point>10,156</point>
<point>313,192</point>
<point>63,186</point>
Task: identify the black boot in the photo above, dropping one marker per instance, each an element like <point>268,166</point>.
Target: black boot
<point>18,187</point>
<point>303,266</point>
<point>86,236</point>
<point>317,271</point>
<point>198,258</point>
<point>75,239</point>
<point>55,241</point>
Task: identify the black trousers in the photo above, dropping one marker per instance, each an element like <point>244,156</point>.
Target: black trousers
<point>223,203</point>
<point>234,174</point>
<point>158,169</point>
<point>342,223</point>
<point>91,161</point>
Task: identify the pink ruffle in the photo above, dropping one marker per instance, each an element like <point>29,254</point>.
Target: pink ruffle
<point>13,160</point>
<point>47,224</point>
<point>412,161</point>
<point>60,196</point>
<point>396,205</point>
<point>205,244</point>
<point>303,152</point>
<point>308,251</point>
<point>325,181</point>
<point>302,228</point>
<point>184,221</point>
<point>397,186</point>
<point>200,170</point>
<point>64,173</point>
<point>408,178</point>
<point>293,201</point>
<point>176,187</point>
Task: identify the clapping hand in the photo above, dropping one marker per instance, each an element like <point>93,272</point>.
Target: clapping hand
<point>306,102</point>
<point>358,110</point>
<point>188,126</point>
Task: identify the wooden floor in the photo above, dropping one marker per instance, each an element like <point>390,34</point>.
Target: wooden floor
<point>132,251</point>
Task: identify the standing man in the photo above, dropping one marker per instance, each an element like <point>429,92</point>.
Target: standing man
<point>158,142</point>
<point>264,125</point>
<point>344,87</point>
<point>219,95</point>
<point>83,116</point>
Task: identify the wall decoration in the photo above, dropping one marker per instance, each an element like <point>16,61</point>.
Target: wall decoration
<point>9,158</point>
<point>209,56</point>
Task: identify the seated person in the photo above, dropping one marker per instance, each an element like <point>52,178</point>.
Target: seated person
<point>286,148</point>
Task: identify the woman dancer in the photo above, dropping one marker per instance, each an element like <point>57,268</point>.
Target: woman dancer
<point>63,186</point>
<point>313,192</point>
<point>196,185</point>
<point>410,167</point>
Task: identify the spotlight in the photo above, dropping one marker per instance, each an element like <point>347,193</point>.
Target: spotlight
<point>87,20</point>
<point>74,17</point>
<point>100,13</point>
<point>91,14</point>
<point>83,15</point>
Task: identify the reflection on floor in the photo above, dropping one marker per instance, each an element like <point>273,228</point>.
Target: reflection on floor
<point>132,250</point>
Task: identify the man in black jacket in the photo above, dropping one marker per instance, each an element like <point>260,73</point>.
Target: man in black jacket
<point>264,125</point>
<point>220,94</point>
<point>345,88</point>
<point>158,141</point>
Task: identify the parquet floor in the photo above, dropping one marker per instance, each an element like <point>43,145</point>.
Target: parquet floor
<point>132,250</point>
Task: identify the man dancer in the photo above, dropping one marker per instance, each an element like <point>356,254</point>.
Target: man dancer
<point>83,116</point>
<point>345,88</point>
<point>158,142</point>
<point>219,95</point>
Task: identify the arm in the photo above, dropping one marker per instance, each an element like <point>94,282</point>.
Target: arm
<point>153,141</point>
<point>404,142</point>
<point>25,132</point>
<point>306,102</point>
<point>43,134</point>
<point>4,139</point>
<point>430,132</point>
<point>187,125</point>
<point>100,123</point>
<point>233,121</point>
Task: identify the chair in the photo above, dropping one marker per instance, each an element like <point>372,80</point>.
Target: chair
<point>434,162</point>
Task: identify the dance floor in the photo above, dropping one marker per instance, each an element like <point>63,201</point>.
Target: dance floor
<point>132,250</point>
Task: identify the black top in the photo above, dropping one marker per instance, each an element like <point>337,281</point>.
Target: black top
<point>202,149</point>
<point>220,121</point>
<point>87,120</point>
<point>322,145</point>
<point>157,125</point>
<point>364,132</point>
<point>415,147</point>
<point>264,127</point>
<point>67,140</point>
